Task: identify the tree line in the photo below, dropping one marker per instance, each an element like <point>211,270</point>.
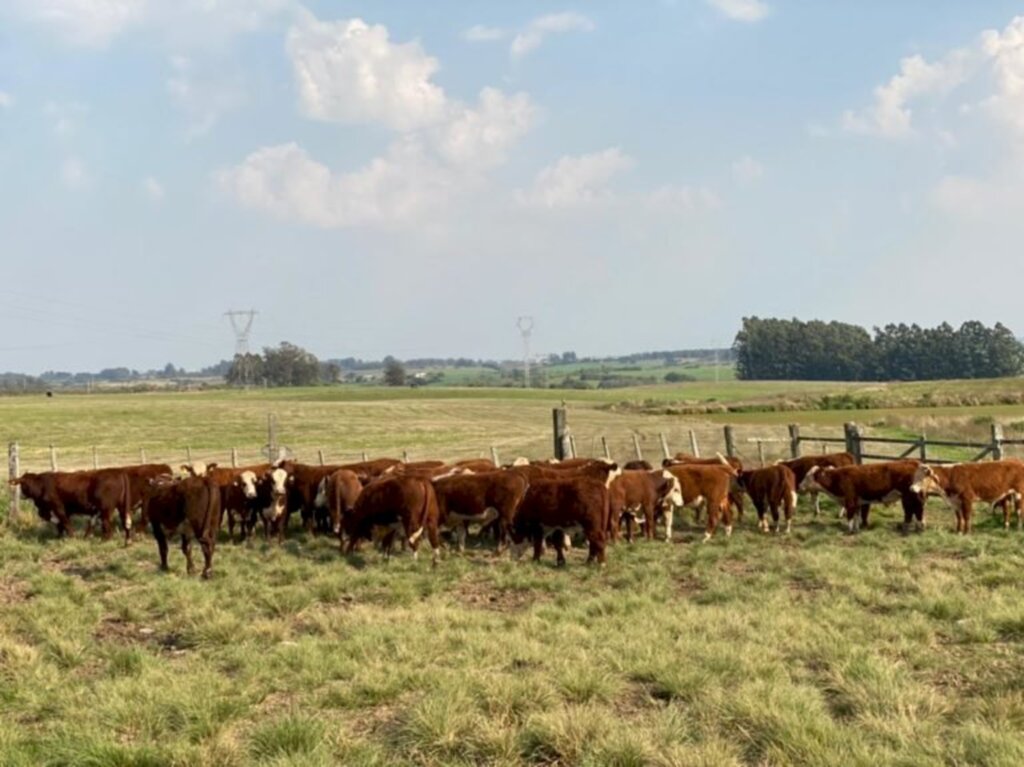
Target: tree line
<point>777,349</point>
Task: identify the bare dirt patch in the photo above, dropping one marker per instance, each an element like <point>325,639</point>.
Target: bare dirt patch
<point>484,596</point>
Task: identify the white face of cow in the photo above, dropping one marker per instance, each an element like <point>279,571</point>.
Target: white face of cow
<point>925,481</point>
<point>810,481</point>
<point>247,481</point>
<point>278,493</point>
<point>674,497</point>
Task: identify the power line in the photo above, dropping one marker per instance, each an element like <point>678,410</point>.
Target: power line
<point>241,323</point>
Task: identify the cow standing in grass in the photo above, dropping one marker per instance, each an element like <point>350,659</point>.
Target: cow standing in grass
<point>639,494</point>
<point>857,487</point>
<point>189,507</point>
<point>769,489</point>
<point>563,505</point>
<point>59,495</point>
<point>392,506</point>
<point>802,465</point>
<point>704,486</point>
<point>997,482</point>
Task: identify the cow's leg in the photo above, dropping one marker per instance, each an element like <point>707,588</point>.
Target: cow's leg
<point>736,499</point>
<point>817,502</point>
<point>207,543</point>
<point>231,525</point>
<point>762,521</point>
<point>864,509</point>
<point>434,537</point>
<point>560,539</point>
<point>596,539</point>
<point>650,533</point>
<point>851,508</point>
<point>87,533</point>
<point>125,515</point>
<point>186,549</point>
<point>712,522</point>
<point>1006,513</point>
<point>161,545</point>
<point>107,524</point>
<point>727,516</point>
<point>774,508</point>
<point>669,513</point>
<point>538,545</point>
<point>789,505</point>
<point>967,504</point>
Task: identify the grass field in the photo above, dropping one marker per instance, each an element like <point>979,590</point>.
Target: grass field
<point>816,648</point>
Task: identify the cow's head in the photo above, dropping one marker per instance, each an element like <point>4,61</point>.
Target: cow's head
<point>926,481</point>
<point>674,496</point>
<point>247,482</point>
<point>810,481</point>
<point>276,483</point>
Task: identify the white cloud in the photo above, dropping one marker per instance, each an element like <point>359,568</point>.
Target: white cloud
<point>741,10</point>
<point>890,115</point>
<point>479,33</point>
<point>153,189</point>
<point>6,100</point>
<point>579,180</point>
<point>746,170</point>
<point>399,188</point>
<point>480,137</point>
<point>1006,51</point>
<point>202,96</point>
<point>349,72</point>
<point>538,29</point>
<point>88,23</point>
<point>73,174</point>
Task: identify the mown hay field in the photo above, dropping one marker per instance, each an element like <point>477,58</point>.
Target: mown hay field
<point>813,648</point>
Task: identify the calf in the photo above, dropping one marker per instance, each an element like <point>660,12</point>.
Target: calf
<point>800,466</point>
<point>338,493</point>
<point>189,507</point>
<point>237,492</point>
<point>563,505</point>
<point>641,493</point>
<point>480,498</point>
<point>769,488</point>
<point>59,495</point>
<point>270,503</point>
<point>735,491</point>
<point>996,482</point>
<point>857,487</point>
<point>393,505</point>
<point>703,486</point>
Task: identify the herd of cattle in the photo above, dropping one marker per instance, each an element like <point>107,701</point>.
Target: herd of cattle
<point>526,502</point>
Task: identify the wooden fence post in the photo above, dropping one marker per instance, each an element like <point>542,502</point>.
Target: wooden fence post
<point>494,456</point>
<point>13,472</point>
<point>572,445</point>
<point>95,458</point>
<point>636,447</point>
<point>142,455</point>
<point>760,452</point>
<point>320,455</point>
<point>234,458</point>
<point>794,440</point>
<point>664,446</point>
<point>694,449</point>
<point>923,448</point>
<point>997,442</point>
<point>271,437</point>
<point>53,458</point>
<point>604,446</point>
<point>853,446</point>
<point>188,453</point>
<point>561,445</point>
<point>730,442</point>
<point>405,456</point>
<point>364,457</point>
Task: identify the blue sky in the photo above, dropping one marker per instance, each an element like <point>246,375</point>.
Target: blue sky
<point>407,178</point>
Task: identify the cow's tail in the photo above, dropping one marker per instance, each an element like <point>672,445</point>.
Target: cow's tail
<point>126,504</point>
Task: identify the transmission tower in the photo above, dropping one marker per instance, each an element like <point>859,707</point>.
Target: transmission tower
<point>241,323</point>
<point>525,325</point>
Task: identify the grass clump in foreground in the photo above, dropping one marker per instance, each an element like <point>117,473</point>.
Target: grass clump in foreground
<point>817,648</point>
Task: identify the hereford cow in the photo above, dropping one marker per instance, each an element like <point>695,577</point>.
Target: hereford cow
<point>58,495</point>
<point>703,486</point>
<point>562,506</point>
<point>637,465</point>
<point>961,484</point>
<point>492,496</point>
<point>857,487</point>
<point>735,492</point>
<point>640,495</point>
<point>392,505</point>
<point>800,466</point>
<point>271,503</point>
<point>769,488</point>
<point>338,493</point>
<point>189,507</point>
<point>476,465</point>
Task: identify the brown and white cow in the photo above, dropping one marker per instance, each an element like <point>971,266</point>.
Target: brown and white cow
<point>189,507</point>
<point>58,495</point>
<point>563,505</point>
<point>800,466</point>
<point>735,492</point>
<point>640,495</point>
<point>857,487</point>
<point>492,496</point>
<point>961,484</point>
<point>392,506</point>
<point>769,488</point>
<point>338,493</point>
<point>704,486</point>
